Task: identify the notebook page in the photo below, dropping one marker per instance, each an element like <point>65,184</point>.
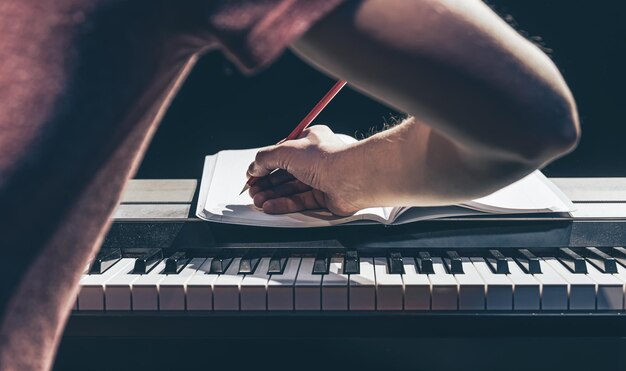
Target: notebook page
<point>205,182</point>
<point>224,204</point>
<point>533,193</point>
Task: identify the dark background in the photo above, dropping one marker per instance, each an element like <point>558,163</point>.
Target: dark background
<point>219,108</point>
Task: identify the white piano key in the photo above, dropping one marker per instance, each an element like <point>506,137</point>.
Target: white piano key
<point>582,290</point>
<point>280,287</point>
<point>621,275</point>
<point>200,288</point>
<point>444,287</point>
<point>119,290</point>
<point>146,288</point>
<point>307,289</point>
<point>609,289</point>
<point>499,286</point>
<point>92,286</point>
<point>554,288</point>
<point>363,286</point>
<point>389,287</point>
<point>335,286</point>
<point>253,288</point>
<point>226,288</point>
<point>172,288</point>
<point>416,287</point>
<point>471,287</point>
<point>526,289</point>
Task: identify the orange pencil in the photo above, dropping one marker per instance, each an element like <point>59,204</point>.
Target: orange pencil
<point>306,121</point>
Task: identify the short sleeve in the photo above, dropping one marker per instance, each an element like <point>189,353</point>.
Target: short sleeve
<point>253,33</point>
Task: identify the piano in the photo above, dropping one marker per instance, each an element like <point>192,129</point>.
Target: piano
<point>507,292</point>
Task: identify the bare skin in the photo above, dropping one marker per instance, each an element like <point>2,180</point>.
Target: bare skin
<point>83,85</point>
<point>489,107</point>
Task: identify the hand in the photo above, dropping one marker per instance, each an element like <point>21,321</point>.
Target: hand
<point>308,176</point>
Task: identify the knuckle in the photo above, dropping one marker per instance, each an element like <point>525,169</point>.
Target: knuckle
<point>321,129</point>
<point>261,155</point>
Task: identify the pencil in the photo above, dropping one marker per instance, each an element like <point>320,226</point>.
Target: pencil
<point>306,121</point>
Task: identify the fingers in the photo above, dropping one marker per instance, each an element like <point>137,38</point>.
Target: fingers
<point>269,181</point>
<point>281,190</point>
<point>294,203</point>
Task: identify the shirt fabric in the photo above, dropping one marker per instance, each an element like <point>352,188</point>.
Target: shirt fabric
<point>80,98</point>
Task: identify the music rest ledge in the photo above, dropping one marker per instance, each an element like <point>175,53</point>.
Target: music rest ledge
<point>160,213</point>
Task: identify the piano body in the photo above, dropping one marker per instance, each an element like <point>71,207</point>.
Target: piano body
<point>511,292</point>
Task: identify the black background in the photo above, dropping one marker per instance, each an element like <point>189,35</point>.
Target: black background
<point>219,108</point>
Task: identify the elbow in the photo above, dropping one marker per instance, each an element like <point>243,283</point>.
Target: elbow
<point>566,135</point>
<point>554,129</point>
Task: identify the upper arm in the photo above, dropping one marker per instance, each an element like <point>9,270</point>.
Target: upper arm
<point>454,64</point>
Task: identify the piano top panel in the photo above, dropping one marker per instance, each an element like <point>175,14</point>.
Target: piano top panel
<point>161,213</point>
<point>173,199</point>
<point>593,189</point>
<point>159,191</point>
<point>178,212</point>
<point>183,190</point>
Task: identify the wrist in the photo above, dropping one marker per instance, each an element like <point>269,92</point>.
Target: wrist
<point>387,168</point>
<point>362,172</point>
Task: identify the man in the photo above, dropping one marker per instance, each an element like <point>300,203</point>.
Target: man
<point>83,85</point>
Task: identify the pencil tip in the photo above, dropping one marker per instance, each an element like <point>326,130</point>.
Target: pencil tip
<point>245,188</point>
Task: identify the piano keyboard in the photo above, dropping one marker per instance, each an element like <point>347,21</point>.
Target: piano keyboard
<point>518,280</point>
<point>427,295</point>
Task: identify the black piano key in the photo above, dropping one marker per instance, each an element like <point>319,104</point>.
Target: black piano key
<point>248,264</point>
<point>351,262</point>
<point>424,263</point>
<point>220,263</point>
<point>528,261</point>
<point>601,260</point>
<point>147,261</point>
<point>277,264</point>
<point>572,261</point>
<point>321,264</point>
<point>394,263</point>
<point>619,253</point>
<point>175,263</point>
<point>497,262</point>
<point>453,262</point>
<point>105,259</point>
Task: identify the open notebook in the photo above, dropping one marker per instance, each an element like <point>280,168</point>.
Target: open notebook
<point>225,173</point>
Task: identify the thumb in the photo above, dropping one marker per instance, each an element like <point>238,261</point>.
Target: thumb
<point>271,158</point>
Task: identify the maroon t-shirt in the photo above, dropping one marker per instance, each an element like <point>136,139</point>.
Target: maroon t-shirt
<point>83,86</point>
<point>254,33</point>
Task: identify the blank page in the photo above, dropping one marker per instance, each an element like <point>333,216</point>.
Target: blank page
<point>533,193</point>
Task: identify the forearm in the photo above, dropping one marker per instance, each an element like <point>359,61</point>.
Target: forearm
<point>456,66</point>
<point>413,165</point>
